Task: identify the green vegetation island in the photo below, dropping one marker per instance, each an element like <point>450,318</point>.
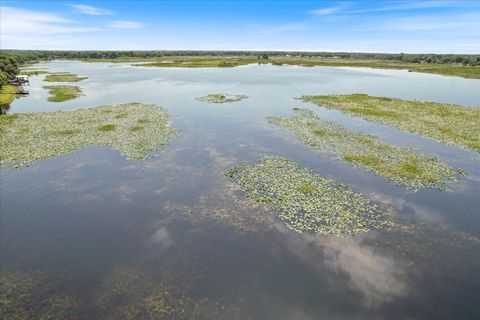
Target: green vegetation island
<point>446,69</point>
<point>306,201</point>
<point>63,93</point>
<point>221,98</point>
<point>133,129</point>
<point>64,77</point>
<point>33,72</point>
<point>398,164</point>
<point>445,123</point>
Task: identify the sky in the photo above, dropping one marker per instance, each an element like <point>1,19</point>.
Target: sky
<point>435,26</point>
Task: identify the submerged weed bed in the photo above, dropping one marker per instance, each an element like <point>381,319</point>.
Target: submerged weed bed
<point>63,93</point>
<point>64,77</point>
<point>398,164</point>
<point>446,123</point>
<point>133,129</point>
<point>308,201</point>
<point>221,98</point>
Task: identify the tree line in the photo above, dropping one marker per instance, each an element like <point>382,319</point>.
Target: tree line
<point>465,59</point>
<point>9,65</point>
<point>11,59</point>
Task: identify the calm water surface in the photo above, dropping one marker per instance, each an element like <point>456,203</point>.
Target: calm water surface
<point>93,235</point>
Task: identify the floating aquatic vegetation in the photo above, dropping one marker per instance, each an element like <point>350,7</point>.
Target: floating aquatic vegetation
<point>308,201</point>
<point>221,98</point>
<point>64,77</point>
<point>33,72</point>
<point>397,164</point>
<point>28,137</point>
<point>63,93</point>
<point>446,123</point>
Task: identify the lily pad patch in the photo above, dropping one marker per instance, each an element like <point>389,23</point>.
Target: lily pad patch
<point>29,137</point>
<point>306,201</point>
<point>400,165</point>
<point>221,98</point>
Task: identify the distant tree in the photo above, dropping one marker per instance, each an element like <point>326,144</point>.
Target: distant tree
<point>3,79</point>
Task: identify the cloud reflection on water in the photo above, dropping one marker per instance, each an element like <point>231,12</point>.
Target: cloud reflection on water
<point>378,277</point>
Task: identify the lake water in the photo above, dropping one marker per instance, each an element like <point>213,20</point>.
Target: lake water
<point>92,235</point>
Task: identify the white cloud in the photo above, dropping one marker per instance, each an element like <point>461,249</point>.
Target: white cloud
<point>15,21</point>
<point>327,11</point>
<point>83,8</point>
<point>124,24</point>
<point>10,13</point>
<point>396,6</point>
<point>416,5</point>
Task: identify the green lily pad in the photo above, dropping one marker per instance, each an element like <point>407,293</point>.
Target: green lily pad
<point>29,137</point>
<point>398,164</point>
<point>308,202</point>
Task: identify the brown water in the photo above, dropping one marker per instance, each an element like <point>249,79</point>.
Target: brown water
<point>93,235</point>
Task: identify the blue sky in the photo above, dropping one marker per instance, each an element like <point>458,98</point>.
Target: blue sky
<point>364,26</point>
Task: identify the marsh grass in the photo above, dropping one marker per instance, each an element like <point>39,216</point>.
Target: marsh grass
<point>7,94</point>
<point>221,98</point>
<point>446,123</point>
<point>446,69</point>
<point>308,202</point>
<point>64,77</point>
<point>29,137</point>
<point>63,93</point>
<point>398,164</point>
<point>33,72</point>
<point>198,62</point>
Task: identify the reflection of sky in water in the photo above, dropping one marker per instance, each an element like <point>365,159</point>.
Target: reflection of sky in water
<point>176,216</point>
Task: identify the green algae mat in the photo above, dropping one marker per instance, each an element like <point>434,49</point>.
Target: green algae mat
<point>445,123</point>
<point>133,129</point>
<point>221,98</point>
<point>308,202</point>
<point>398,164</point>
